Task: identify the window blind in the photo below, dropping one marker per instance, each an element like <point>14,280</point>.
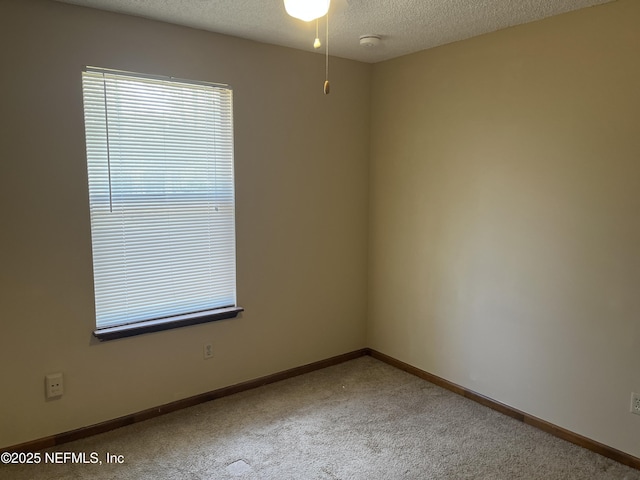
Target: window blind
<point>161,194</point>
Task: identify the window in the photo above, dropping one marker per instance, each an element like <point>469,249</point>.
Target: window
<point>161,196</point>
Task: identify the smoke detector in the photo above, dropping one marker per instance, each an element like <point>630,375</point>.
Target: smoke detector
<point>369,40</point>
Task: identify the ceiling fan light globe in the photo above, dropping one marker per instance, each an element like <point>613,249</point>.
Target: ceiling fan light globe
<point>307,10</point>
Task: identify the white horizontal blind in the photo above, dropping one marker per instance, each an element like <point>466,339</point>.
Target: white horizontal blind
<point>161,191</point>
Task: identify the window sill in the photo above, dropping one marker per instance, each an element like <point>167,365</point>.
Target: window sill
<point>130,330</point>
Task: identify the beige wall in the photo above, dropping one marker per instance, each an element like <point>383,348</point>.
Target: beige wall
<point>505,217</point>
<point>301,169</point>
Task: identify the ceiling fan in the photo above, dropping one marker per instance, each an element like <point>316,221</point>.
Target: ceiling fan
<point>308,10</point>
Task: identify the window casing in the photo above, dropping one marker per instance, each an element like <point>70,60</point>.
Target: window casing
<point>161,195</point>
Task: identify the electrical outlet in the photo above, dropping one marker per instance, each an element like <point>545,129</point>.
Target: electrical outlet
<point>53,385</point>
<point>635,403</point>
<point>208,350</point>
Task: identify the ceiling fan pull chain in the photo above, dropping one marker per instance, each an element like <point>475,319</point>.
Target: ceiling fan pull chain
<point>316,42</point>
<point>327,87</point>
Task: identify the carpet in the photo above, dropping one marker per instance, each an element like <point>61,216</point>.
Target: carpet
<point>362,419</point>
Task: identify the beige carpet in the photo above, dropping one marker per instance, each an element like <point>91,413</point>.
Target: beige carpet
<point>359,420</point>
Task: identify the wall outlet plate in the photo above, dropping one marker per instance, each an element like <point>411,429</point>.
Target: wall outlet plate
<point>635,403</point>
<point>207,350</point>
<point>53,386</point>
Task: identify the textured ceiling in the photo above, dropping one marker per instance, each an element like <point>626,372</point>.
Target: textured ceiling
<point>405,26</point>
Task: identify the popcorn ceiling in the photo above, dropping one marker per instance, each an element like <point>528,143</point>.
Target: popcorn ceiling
<point>406,26</point>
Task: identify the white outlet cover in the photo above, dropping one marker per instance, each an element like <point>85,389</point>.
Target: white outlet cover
<point>207,350</point>
<point>53,385</point>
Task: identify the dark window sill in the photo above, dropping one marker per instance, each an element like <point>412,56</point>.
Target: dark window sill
<point>122,331</point>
